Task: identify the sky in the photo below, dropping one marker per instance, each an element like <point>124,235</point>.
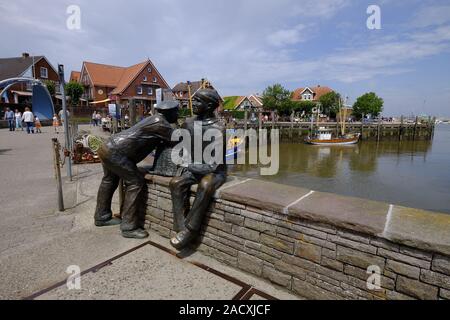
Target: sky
<point>244,46</point>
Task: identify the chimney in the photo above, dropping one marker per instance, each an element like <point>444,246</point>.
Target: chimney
<point>25,55</point>
<point>318,86</point>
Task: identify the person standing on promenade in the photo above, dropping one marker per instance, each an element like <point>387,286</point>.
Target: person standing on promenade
<point>18,116</point>
<point>38,125</point>
<point>28,118</point>
<point>94,119</point>
<point>9,116</point>
<point>55,123</point>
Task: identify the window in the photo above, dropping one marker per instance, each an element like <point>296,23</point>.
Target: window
<point>139,90</point>
<point>44,72</point>
<point>145,78</point>
<point>150,91</point>
<point>155,80</point>
<point>149,70</point>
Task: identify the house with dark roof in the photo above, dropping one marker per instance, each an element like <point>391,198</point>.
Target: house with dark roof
<point>107,83</point>
<point>182,90</point>
<point>310,93</point>
<point>35,67</point>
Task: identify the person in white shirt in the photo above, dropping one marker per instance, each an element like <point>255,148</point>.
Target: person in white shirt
<point>28,118</point>
<point>18,116</point>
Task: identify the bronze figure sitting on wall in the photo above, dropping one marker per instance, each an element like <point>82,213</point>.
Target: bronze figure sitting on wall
<point>120,155</point>
<point>208,177</point>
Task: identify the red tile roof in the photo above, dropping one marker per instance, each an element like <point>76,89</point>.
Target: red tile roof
<point>318,91</point>
<point>75,76</point>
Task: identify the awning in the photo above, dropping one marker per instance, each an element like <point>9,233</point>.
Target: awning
<point>23,93</point>
<point>101,101</point>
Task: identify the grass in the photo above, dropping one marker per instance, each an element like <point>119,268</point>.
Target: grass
<point>229,102</point>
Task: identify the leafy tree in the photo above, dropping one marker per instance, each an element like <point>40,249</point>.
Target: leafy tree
<point>50,87</point>
<point>74,90</point>
<point>330,103</point>
<point>303,106</point>
<point>368,104</point>
<point>277,98</point>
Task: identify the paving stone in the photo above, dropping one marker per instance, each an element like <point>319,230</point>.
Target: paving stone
<point>360,215</point>
<point>441,264</point>
<point>308,251</point>
<point>404,258</point>
<point>260,226</point>
<point>416,289</point>
<point>362,238</point>
<point>263,195</point>
<point>277,277</point>
<point>250,263</point>
<point>251,215</point>
<point>220,246</point>
<point>358,258</point>
<point>445,294</point>
<point>362,274</point>
<point>403,269</point>
<point>234,219</point>
<point>164,204</point>
<point>435,278</point>
<point>353,244</point>
<point>420,229</point>
<point>311,291</point>
<point>302,263</point>
<point>291,269</point>
<point>277,243</point>
<point>416,253</point>
<point>245,233</point>
<point>332,264</point>
<point>221,225</point>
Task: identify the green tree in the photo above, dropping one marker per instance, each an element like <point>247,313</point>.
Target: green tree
<point>74,90</point>
<point>303,106</point>
<point>277,98</point>
<point>330,103</point>
<point>50,87</point>
<point>368,104</point>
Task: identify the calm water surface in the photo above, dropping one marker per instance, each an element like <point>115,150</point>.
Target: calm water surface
<point>414,174</point>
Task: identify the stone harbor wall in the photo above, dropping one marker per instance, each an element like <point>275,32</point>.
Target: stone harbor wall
<point>319,245</point>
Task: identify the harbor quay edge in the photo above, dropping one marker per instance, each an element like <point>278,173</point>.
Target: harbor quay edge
<point>318,245</point>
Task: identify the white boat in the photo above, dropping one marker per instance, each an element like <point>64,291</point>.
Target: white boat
<point>324,136</point>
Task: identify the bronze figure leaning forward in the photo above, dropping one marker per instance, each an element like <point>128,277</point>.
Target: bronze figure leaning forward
<point>120,155</point>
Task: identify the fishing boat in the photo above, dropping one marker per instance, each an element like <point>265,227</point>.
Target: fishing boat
<point>324,137</point>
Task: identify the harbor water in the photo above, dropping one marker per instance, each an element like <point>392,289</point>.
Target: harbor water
<point>409,173</point>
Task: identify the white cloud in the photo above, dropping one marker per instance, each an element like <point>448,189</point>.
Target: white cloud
<point>432,16</point>
<point>290,36</point>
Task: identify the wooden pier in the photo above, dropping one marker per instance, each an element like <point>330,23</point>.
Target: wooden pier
<point>403,130</point>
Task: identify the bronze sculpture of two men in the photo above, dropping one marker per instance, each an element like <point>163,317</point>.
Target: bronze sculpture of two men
<point>121,153</point>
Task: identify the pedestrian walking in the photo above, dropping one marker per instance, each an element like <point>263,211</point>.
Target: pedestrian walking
<point>94,119</point>
<point>9,116</point>
<point>56,123</point>
<point>28,118</point>
<point>18,116</point>
<point>98,116</point>
<point>38,125</point>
